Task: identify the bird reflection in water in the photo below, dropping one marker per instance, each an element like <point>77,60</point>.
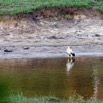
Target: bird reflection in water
<point>70,64</point>
<point>96,82</point>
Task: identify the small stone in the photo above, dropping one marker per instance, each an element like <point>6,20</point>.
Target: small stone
<point>97,35</point>
<point>52,37</point>
<point>26,48</point>
<point>7,50</point>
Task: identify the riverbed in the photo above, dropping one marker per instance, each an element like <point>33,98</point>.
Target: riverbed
<point>25,37</point>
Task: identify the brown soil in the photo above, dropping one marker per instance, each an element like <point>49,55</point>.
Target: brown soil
<point>48,31</point>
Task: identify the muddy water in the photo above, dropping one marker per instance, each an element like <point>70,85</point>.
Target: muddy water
<point>53,76</point>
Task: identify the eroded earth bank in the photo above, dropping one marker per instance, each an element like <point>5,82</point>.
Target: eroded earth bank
<point>48,32</point>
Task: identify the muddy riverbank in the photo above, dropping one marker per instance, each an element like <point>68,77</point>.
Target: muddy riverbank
<point>38,36</point>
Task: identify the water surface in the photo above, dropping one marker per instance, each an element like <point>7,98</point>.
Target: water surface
<point>52,77</point>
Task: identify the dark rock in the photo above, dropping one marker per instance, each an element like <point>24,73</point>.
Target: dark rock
<point>52,37</point>
<point>7,50</point>
<point>97,35</point>
<point>56,26</point>
<point>26,48</point>
<point>35,18</point>
<point>7,34</point>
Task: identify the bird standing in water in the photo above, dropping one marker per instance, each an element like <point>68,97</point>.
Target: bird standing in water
<point>70,52</point>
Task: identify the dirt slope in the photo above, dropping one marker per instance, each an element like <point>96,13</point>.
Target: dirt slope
<point>47,32</point>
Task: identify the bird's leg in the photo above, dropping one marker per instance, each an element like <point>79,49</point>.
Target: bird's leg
<point>71,60</point>
<point>68,59</point>
<point>71,55</point>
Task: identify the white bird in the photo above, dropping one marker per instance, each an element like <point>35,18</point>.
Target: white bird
<point>70,52</point>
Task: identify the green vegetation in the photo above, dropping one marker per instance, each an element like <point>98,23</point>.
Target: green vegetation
<point>22,99</point>
<point>17,6</point>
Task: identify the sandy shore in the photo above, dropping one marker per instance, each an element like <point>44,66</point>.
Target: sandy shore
<point>26,38</point>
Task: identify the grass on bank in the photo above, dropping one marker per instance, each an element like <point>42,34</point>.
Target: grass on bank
<point>17,6</point>
<point>22,99</point>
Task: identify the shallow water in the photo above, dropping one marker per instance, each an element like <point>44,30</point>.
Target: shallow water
<point>52,77</point>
